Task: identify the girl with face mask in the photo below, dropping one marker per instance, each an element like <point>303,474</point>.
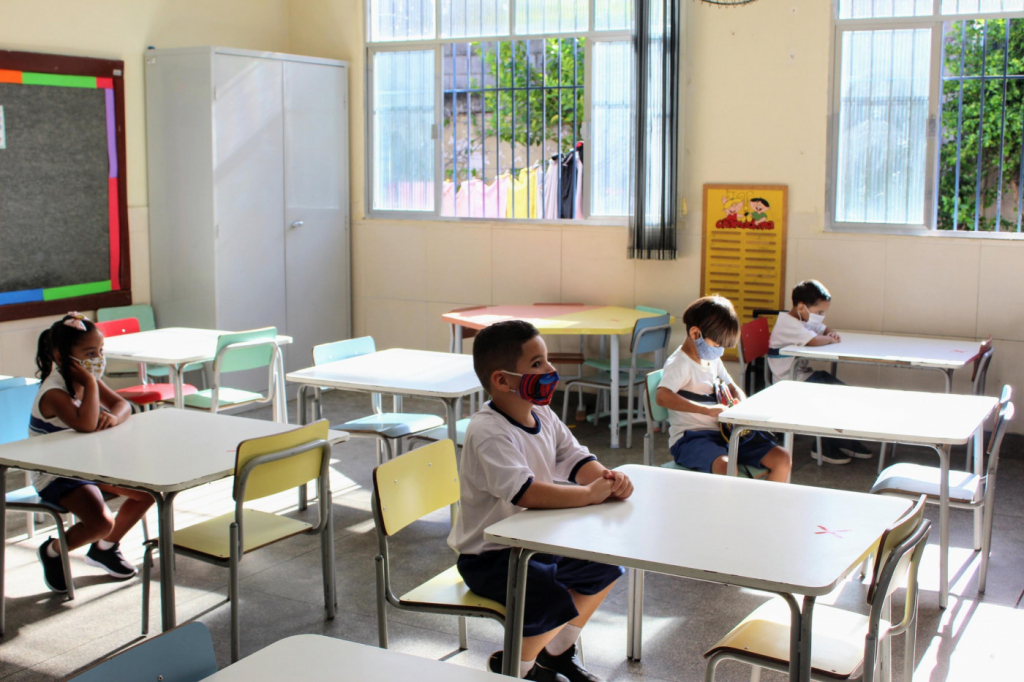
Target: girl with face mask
<point>72,396</point>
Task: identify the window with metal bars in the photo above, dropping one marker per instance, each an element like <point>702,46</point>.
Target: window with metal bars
<point>929,116</point>
<point>499,109</point>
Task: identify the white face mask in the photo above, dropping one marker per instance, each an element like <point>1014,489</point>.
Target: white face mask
<point>95,366</point>
<point>814,319</point>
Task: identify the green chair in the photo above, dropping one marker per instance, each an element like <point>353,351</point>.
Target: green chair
<point>184,654</point>
<point>389,428</point>
<point>238,352</point>
<point>147,323</point>
<point>653,412</point>
<point>643,363</point>
<point>263,467</point>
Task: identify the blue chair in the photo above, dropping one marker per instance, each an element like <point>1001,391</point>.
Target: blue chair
<point>184,654</point>
<point>653,412</point>
<point>147,323</point>
<point>15,410</point>
<point>650,335</point>
<point>389,428</point>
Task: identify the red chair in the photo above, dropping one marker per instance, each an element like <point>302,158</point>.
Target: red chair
<point>144,395</point>
<point>753,345</point>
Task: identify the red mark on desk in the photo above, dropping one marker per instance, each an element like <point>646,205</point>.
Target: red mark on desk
<point>826,531</point>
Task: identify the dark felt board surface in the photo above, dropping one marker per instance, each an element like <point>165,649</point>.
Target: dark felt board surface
<point>54,219</point>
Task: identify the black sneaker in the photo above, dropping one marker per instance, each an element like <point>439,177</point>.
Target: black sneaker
<point>831,454</point>
<point>538,673</point>
<point>53,569</point>
<point>568,664</point>
<point>110,560</point>
<point>855,449</point>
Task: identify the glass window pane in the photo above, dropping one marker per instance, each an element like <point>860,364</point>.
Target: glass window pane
<point>868,9</point>
<point>401,20</point>
<point>613,15</point>
<point>403,113</point>
<point>610,129</point>
<point>535,17</point>
<point>474,18</point>
<point>981,6</point>
<point>883,125</point>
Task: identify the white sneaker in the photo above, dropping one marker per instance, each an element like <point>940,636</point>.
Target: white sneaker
<point>831,459</point>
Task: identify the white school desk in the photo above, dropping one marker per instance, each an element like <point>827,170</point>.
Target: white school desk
<point>162,452</point>
<point>805,541</point>
<point>176,347</point>
<point>397,371</point>
<point>553,319</point>
<point>314,657</point>
<point>941,355</point>
<point>935,420</point>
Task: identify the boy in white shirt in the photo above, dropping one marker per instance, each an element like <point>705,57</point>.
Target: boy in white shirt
<point>516,455</point>
<point>804,325</point>
<point>690,383</point>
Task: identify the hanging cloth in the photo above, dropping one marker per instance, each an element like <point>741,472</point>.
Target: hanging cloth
<point>551,190</point>
<point>567,190</point>
<point>525,198</point>
<point>448,199</point>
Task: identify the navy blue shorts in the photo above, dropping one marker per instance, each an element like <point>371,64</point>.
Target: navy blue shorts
<point>548,581</point>
<point>59,488</point>
<point>697,450</point>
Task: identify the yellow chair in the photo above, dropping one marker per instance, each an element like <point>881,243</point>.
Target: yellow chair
<point>406,489</point>
<point>845,644</point>
<point>263,466</point>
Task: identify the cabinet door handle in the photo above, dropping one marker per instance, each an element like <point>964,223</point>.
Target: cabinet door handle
<point>297,223</point>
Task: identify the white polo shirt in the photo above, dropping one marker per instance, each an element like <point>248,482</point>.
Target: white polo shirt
<point>789,331</point>
<point>681,373</point>
<point>500,460</point>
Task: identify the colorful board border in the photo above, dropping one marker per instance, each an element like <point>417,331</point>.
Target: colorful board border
<point>29,68</point>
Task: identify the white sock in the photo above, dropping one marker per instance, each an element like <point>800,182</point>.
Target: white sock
<point>525,667</point>
<point>565,638</point>
<point>104,545</point>
<point>51,551</point>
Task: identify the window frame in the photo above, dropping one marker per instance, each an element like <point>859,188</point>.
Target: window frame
<point>437,44</point>
<point>934,22</point>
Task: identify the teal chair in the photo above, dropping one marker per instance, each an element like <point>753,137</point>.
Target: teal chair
<point>643,363</point>
<point>184,654</point>
<point>15,409</point>
<point>653,412</point>
<point>650,335</point>
<point>389,428</point>
<point>147,323</point>
<point>239,352</point>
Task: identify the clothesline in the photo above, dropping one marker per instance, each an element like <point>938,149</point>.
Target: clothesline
<point>555,193</point>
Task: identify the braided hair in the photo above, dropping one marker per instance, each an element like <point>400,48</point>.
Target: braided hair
<point>61,337</point>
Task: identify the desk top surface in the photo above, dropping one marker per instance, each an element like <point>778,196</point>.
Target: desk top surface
<point>554,318</point>
<point>169,346</point>
<point>911,351</point>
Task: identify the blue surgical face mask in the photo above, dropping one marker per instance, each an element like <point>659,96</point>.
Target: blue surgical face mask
<point>705,351</point>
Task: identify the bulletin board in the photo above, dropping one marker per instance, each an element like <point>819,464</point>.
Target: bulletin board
<point>743,253</point>
<point>63,191</point>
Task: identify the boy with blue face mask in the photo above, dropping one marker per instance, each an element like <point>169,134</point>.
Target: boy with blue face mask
<point>517,455</point>
<point>691,383</point>
<point>804,325</point>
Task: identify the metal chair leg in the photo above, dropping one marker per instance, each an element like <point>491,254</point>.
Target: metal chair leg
<point>881,457</point>
<point>382,614</point>
<point>233,586</point>
<point>463,634</point>
<point>147,562</point>
<point>65,557</point>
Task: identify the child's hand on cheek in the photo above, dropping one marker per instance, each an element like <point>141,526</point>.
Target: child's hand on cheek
<point>80,374</point>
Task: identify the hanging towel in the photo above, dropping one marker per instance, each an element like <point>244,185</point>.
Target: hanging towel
<point>525,198</point>
<point>551,191</point>
<point>577,210</point>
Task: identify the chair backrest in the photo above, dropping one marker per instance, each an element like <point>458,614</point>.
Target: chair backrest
<point>342,350</point>
<point>184,654</point>
<point>893,536</point>
<point>410,486</point>
<point>656,311</point>
<point>754,337</point>
<point>14,382</point>
<point>127,325</point>
<point>981,364</point>
<point>15,411</point>
<point>1003,417</point>
<point>281,474</point>
<point>651,334</point>
<point>655,412</point>
<point>141,312</point>
<point>239,359</point>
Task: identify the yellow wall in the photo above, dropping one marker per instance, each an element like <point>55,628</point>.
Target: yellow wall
<point>756,108</point>
<point>123,29</point>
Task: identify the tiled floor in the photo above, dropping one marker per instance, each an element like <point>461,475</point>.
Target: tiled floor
<point>49,639</point>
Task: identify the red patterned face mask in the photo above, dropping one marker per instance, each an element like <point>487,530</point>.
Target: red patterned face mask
<point>538,389</point>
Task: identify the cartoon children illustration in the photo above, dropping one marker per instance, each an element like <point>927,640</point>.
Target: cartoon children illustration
<point>759,210</point>
<point>732,207</point>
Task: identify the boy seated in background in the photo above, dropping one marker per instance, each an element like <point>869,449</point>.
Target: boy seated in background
<point>804,325</point>
<point>516,454</point>
<point>690,383</point>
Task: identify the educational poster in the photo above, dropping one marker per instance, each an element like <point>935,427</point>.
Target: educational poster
<point>63,210</point>
<point>743,254</point>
